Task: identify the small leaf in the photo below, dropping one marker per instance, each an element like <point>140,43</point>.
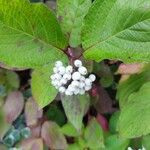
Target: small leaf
<point>52,136</point>
<point>93,135</point>
<point>72,14</point>
<point>13,106</point>
<point>75,107</point>
<point>12,80</point>
<point>69,130</point>
<point>132,84</point>
<point>4,125</point>
<point>32,144</point>
<point>134,119</point>
<point>30,34</point>
<point>114,142</point>
<point>118,30</point>
<point>113,122</point>
<point>32,112</point>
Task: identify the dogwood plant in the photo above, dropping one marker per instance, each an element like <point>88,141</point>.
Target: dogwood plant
<point>53,43</point>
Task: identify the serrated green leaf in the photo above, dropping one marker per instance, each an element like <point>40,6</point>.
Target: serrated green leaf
<point>132,84</point>
<point>93,135</point>
<point>134,119</point>
<point>30,35</point>
<point>118,29</point>
<point>72,14</point>
<point>42,89</point>
<point>114,142</point>
<point>75,107</point>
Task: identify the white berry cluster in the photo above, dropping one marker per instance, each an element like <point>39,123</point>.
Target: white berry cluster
<point>129,148</point>
<point>72,79</point>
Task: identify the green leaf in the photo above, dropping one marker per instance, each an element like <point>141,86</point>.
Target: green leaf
<point>145,141</point>
<point>72,14</point>
<point>75,107</point>
<point>114,142</point>
<point>118,29</point>
<point>42,89</point>
<point>56,114</point>
<point>134,119</point>
<point>30,35</point>
<point>94,135</point>
<point>74,146</point>
<point>132,84</point>
<point>113,122</point>
<point>12,80</point>
<point>69,130</point>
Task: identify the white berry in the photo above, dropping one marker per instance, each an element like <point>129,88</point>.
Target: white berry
<point>75,83</point>
<point>82,78</point>
<point>52,77</point>
<point>78,63</point>
<point>63,81</point>
<point>67,92</point>
<point>88,87</point>
<point>76,76</point>
<point>77,91</point>
<point>92,77</point>
<point>62,89</point>
<point>57,76</point>
<point>67,76</point>
<point>58,63</point>
<point>55,70</point>
<point>71,88</point>
<point>88,81</point>
<point>82,70</point>
<point>81,85</point>
<point>69,69</point>
<point>62,70</point>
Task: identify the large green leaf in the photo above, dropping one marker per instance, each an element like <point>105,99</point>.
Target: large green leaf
<point>118,29</point>
<point>72,13</point>
<point>30,35</point>
<point>132,84</point>
<point>94,135</point>
<point>134,120</point>
<point>75,107</point>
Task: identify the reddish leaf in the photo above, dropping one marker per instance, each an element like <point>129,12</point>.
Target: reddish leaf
<point>36,130</point>
<point>32,144</point>
<point>52,136</point>
<point>102,101</point>
<point>32,113</point>
<point>130,68</point>
<point>103,122</point>
<point>4,125</point>
<point>13,106</point>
